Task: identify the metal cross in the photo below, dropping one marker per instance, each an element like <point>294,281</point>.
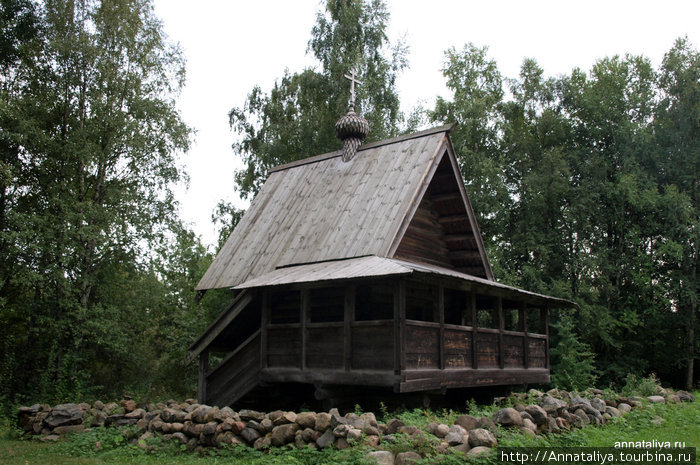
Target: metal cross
<point>353,80</point>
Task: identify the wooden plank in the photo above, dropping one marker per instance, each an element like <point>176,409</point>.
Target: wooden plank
<point>545,323</point>
<point>399,325</point>
<point>421,347</point>
<point>522,317</point>
<point>475,329</point>
<point>325,377</point>
<point>347,325</point>
<point>305,306</point>
<point>373,348</point>
<point>441,319</point>
<point>423,380</point>
<point>501,322</point>
<point>325,348</point>
<point>219,324</point>
<point>203,368</point>
<point>264,322</point>
<point>458,348</point>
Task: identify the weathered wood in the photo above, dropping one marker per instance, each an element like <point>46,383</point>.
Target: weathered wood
<point>524,329</point>
<point>324,377</point>
<point>325,348</point>
<point>203,369</point>
<point>264,322</point>
<point>501,322</point>
<point>219,324</point>
<point>303,332</point>
<point>441,319</point>
<point>284,346</point>
<point>236,375</point>
<point>349,316</point>
<point>545,323</point>
<point>475,329</point>
<point>373,347</point>
<point>458,348</point>
<point>422,380</point>
<point>399,325</point>
<point>421,347</point>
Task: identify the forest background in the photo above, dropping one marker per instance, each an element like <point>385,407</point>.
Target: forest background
<point>585,186</point>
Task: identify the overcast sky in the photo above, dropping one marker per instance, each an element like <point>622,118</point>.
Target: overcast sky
<point>231,46</point>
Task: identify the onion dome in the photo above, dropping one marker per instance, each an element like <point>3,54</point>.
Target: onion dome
<point>351,129</point>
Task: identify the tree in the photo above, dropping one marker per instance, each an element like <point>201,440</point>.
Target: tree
<point>93,134</point>
<point>677,126</point>
<point>297,118</point>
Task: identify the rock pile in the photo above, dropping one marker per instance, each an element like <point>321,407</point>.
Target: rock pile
<point>199,426</point>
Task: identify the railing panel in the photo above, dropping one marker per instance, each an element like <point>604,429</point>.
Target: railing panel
<point>513,351</point>
<point>422,347</point>
<point>372,346</point>
<point>487,349</point>
<point>458,348</point>
<point>283,347</point>
<point>325,347</point>
<point>537,352</point>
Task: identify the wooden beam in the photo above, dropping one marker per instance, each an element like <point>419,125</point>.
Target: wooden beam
<point>522,316</point>
<point>441,320</point>
<point>264,321</point>
<point>475,329</point>
<point>348,318</point>
<point>330,377</point>
<point>399,325</point>
<point>424,380</point>
<point>219,324</point>
<point>305,310</point>
<point>202,381</point>
<point>501,322</point>
<point>544,319</point>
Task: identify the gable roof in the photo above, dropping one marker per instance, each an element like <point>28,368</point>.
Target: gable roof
<point>387,201</point>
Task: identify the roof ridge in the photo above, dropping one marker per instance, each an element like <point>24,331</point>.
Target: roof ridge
<point>316,158</point>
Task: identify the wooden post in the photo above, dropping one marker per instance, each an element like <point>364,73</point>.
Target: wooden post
<point>305,307</point>
<point>264,321</point>
<point>203,369</point>
<point>499,312</point>
<point>441,320</point>
<point>348,318</point>
<point>475,330</point>
<point>544,321</point>
<point>522,316</point>
<point>399,325</point>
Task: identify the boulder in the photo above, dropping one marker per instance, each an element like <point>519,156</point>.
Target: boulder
<point>656,399</point>
<point>326,439</point>
<point>612,411</point>
<point>477,451</point>
<point>283,434</point>
<point>482,438</point>
<point>306,419</point>
<point>393,426</point>
<point>250,435</point>
<point>380,457</point>
<point>323,422</point>
<point>537,413</point>
<point>624,407</point>
<point>247,415</point>
<point>508,417</point>
<point>598,404</point>
<point>685,396</point>
<point>369,419</point>
<point>467,422</point>
<point>406,458</point>
<point>61,430</point>
<point>528,424</point>
<point>63,415</point>
<point>552,404</point>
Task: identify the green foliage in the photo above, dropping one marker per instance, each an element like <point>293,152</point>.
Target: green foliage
<point>296,119</point>
<point>573,367</point>
<point>96,270</point>
<point>637,386</point>
<point>585,188</point>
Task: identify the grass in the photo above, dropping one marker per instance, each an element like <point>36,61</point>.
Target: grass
<point>673,423</point>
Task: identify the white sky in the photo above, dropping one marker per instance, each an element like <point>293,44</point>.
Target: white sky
<point>232,45</point>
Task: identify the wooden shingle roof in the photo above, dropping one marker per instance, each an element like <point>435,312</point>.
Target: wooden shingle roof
<point>384,203</point>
